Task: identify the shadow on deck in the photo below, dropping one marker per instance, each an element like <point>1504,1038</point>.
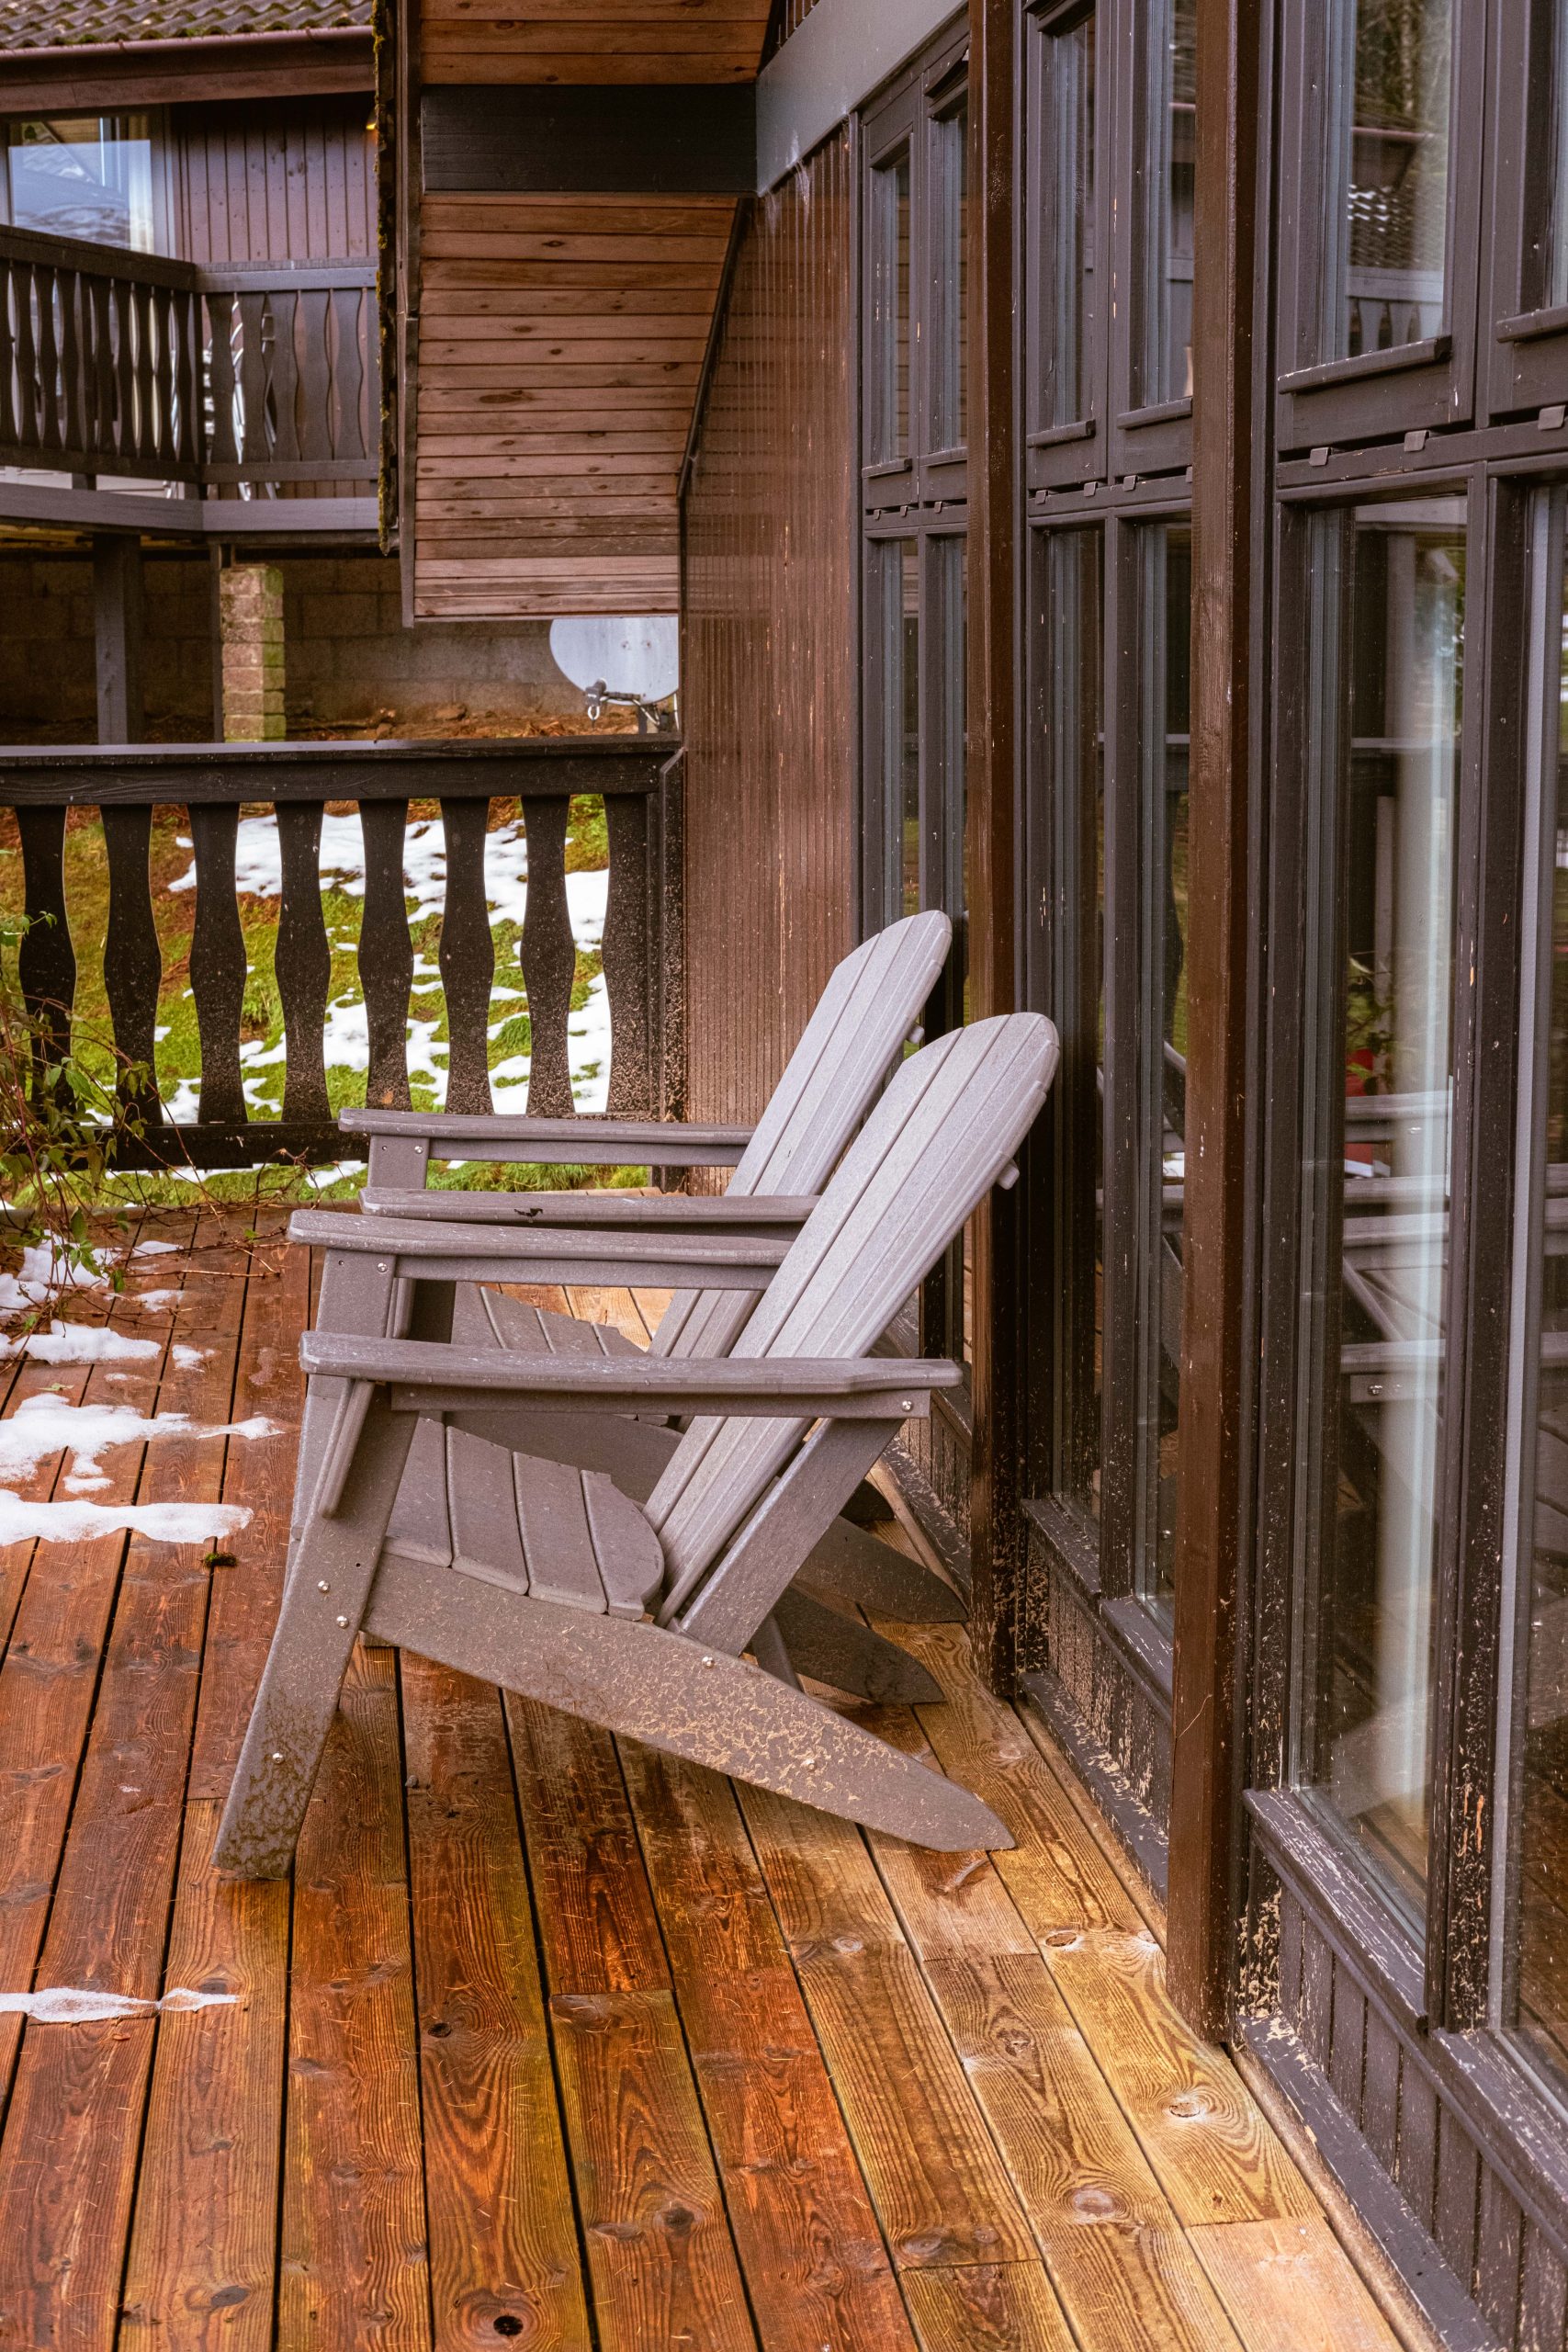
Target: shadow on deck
<point>556,2042</point>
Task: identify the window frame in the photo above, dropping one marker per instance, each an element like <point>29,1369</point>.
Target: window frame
<point>1525,365</point>
<point>1072,449</point>
<point>1103,1557</point>
<point>910,115</point>
<point>1146,437</point>
<point>1411,386</point>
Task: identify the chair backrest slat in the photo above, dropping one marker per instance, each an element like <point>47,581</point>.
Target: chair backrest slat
<point>943,1132</point>
<point>871,1002</point>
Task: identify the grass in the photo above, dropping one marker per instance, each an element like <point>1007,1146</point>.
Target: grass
<point>178,1055</point>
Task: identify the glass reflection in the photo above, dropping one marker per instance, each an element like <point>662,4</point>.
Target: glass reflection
<point>1389,67</point>
<point>1163,354</point>
<point>1538,1693</point>
<point>84,175</point>
<point>1389,585</point>
<point>1167,621</point>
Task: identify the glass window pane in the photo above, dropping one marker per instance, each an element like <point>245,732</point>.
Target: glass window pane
<point>1386,236</point>
<point>887,395</point>
<point>949,631</point>
<point>1074,777</point>
<point>950,273</point>
<point>893,584</point>
<point>1163,348</point>
<point>84,175</point>
<point>1385,695</point>
<point>1066,139</point>
<point>1166,616</point>
<point>1546,175</point>
<point>1535,1693</point>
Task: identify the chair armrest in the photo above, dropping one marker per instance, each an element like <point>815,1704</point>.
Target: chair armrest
<point>606,1211</point>
<point>428,1378</point>
<point>581,1142</point>
<point>426,1252</point>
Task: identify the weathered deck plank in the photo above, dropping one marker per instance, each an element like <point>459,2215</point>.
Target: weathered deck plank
<point>73,2128</point>
<point>352,2262</point>
<point>807,2237</point>
<point>686,2066</point>
<point>503,2243</point>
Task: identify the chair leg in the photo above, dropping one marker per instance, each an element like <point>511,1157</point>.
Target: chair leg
<point>323,1605</point>
<point>848,1655</point>
<point>855,1565</point>
<point>671,1693</point>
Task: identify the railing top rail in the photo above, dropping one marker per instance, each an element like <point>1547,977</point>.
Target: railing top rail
<point>284,276</point>
<point>525,767</point>
<point>97,261</point>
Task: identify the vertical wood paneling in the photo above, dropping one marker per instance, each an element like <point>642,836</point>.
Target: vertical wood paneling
<point>276,181</point>
<point>770,644</point>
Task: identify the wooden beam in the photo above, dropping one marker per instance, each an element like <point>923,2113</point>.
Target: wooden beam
<point>1230,475</point>
<point>116,634</point>
<point>996,1537</point>
<point>522,139</point>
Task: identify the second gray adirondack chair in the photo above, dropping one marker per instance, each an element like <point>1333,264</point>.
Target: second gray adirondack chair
<point>872,1000</point>
<point>550,1581</point>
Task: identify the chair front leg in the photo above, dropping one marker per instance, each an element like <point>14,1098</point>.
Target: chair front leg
<point>323,1603</point>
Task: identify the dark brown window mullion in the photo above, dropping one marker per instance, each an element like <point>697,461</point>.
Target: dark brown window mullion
<point>1524,312</point>
<point>1468,1811</point>
<point>1123,993</point>
<point>1417,384</point>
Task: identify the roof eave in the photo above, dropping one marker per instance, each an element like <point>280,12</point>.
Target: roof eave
<point>268,64</point>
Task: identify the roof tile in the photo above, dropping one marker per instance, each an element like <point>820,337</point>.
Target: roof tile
<point>66,24</point>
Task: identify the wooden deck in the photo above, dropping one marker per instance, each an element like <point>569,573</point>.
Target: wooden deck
<point>552,2043</point>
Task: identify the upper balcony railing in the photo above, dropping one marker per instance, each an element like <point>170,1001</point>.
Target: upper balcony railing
<point>258,382</point>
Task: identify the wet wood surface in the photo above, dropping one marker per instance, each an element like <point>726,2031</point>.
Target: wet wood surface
<point>552,2040</point>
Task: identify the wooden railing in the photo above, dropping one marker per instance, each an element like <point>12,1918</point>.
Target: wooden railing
<point>640,779</point>
<point>129,364</point>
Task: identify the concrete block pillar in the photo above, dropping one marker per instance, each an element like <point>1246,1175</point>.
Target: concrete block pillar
<point>250,622</point>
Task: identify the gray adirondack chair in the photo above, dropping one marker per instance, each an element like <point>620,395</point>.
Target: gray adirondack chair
<point>551,1581</point>
<point>871,1001</point>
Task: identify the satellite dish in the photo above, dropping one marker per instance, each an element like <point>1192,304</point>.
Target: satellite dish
<point>630,661</point>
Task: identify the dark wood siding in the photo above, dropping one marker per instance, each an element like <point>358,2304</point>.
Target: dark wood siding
<point>769,647</point>
<point>280,181</point>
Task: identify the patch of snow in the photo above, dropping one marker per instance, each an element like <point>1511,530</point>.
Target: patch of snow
<point>64,2005</point>
<point>77,1343</point>
<point>161,1297</point>
<point>46,1271</point>
<point>25,1522</point>
<point>42,1426</point>
<point>181,1105</point>
<point>319,1178</point>
<point>188,1359</point>
<point>157,1249</point>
